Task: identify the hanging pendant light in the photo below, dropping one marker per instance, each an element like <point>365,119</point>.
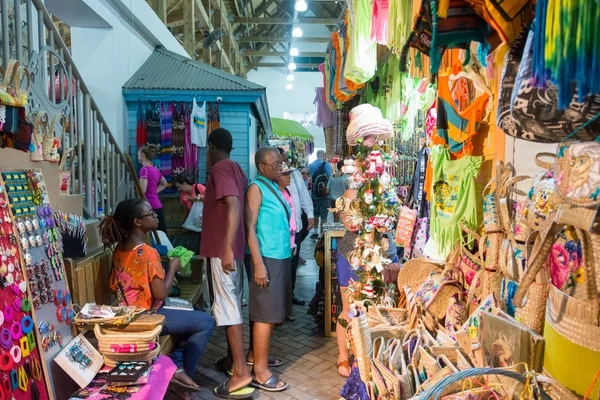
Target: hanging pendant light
<point>289,86</point>
<point>297,32</point>
<point>294,52</point>
<point>290,77</point>
<point>301,5</point>
<point>292,66</point>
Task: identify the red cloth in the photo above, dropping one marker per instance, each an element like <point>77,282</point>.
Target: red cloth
<point>226,179</point>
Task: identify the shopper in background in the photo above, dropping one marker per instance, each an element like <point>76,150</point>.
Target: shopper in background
<point>337,185</point>
<point>152,182</point>
<point>306,177</point>
<point>224,243</point>
<point>139,279</point>
<point>268,218</point>
<point>189,192</point>
<point>304,214</point>
<point>284,183</point>
<point>320,172</point>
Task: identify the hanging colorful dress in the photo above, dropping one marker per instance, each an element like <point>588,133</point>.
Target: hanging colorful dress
<point>166,141</point>
<point>455,128</point>
<point>362,53</point>
<point>379,22</point>
<point>453,197</point>
<point>153,122</point>
<point>141,132</point>
<point>178,140</point>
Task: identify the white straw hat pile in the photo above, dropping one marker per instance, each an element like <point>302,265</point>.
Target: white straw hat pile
<point>367,126</point>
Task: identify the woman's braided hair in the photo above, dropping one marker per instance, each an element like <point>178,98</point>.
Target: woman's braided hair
<point>115,228</point>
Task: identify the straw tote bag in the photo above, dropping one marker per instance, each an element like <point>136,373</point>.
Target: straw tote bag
<point>51,144</point>
<point>64,171</point>
<point>11,92</point>
<point>40,127</point>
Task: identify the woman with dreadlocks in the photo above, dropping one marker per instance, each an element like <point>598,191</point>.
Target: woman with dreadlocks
<point>140,280</point>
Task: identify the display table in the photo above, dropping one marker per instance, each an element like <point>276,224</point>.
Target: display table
<point>156,388</point>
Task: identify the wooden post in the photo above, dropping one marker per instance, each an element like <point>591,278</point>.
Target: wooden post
<point>189,27</point>
<point>161,10</point>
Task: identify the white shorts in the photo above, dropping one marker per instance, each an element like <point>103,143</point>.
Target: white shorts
<point>227,291</point>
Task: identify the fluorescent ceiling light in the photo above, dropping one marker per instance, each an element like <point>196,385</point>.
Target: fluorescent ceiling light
<point>297,32</point>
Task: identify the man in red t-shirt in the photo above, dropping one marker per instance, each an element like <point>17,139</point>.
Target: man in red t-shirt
<point>224,243</point>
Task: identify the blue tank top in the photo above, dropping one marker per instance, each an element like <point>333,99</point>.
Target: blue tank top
<point>273,226</point>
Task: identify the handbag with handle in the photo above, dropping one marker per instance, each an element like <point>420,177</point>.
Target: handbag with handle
<point>64,171</point>
<point>40,127</point>
<point>52,143</point>
<point>11,91</point>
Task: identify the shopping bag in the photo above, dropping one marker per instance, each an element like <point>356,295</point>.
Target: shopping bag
<point>194,219</point>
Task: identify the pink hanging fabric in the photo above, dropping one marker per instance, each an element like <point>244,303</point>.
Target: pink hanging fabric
<point>190,157</point>
<point>324,114</point>
<point>379,23</point>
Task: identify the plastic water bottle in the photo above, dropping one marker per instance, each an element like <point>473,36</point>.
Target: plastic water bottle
<point>100,213</point>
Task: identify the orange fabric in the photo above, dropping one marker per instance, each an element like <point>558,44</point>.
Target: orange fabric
<point>428,179</point>
<point>132,272</point>
<point>339,95</point>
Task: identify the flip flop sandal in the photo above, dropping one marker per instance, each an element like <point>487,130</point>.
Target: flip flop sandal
<point>185,387</point>
<point>222,366</point>
<point>346,365</point>
<point>270,385</point>
<point>223,392</point>
<point>273,362</point>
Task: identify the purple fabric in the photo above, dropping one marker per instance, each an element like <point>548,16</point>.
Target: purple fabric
<point>191,150</point>
<point>354,388</point>
<point>324,114</point>
<point>152,175</point>
<point>166,140</point>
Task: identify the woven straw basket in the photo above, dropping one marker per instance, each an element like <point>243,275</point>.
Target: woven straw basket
<point>363,345</point>
<point>414,272</point>
<point>111,359</point>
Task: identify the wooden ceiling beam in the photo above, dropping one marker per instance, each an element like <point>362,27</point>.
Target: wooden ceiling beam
<point>282,39</point>
<point>286,21</point>
<point>282,54</point>
<point>282,65</point>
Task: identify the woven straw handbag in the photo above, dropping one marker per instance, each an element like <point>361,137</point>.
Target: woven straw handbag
<point>52,142</point>
<point>64,171</point>
<point>12,92</point>
<point>414,272</point>
<point>438,289</point>
<point>362,343</point>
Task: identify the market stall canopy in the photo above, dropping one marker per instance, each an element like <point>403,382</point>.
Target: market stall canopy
<point>289,129</point>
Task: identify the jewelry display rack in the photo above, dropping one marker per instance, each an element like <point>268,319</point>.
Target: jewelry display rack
<point>43,263</point>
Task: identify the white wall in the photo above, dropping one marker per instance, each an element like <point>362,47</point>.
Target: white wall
<point>298,100</point>
<point>108,56</point>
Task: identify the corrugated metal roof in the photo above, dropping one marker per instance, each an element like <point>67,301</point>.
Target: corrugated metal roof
<point>165,70</point>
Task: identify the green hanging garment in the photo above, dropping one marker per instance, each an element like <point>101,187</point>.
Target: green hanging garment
<point>362,52</point>
<point>453,197</point>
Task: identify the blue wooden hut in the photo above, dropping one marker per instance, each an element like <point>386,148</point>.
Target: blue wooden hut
<point>169,77</point>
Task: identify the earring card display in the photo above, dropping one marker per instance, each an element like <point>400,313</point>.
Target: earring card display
<point>22,376</point>
<point>333,298</point>
<point>41,245</point>
<point>80,360</point>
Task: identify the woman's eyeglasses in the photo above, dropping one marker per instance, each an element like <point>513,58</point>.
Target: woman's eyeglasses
<point>152,214</point>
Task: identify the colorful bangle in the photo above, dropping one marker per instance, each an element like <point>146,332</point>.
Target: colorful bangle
<point>58,297</point>
<point>67,298</point>
<point>5,338</point>
<point>9,313</point>
<point>17,303</point>
<point>26,324</point>
<point>26,305</point>
<point>16,331</point>
<point>15,352</point>
<point>6,362</point>
<point>24,343</point>
<point>70,316</point>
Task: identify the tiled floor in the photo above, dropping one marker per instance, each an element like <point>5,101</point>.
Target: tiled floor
<point>309,358</point>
